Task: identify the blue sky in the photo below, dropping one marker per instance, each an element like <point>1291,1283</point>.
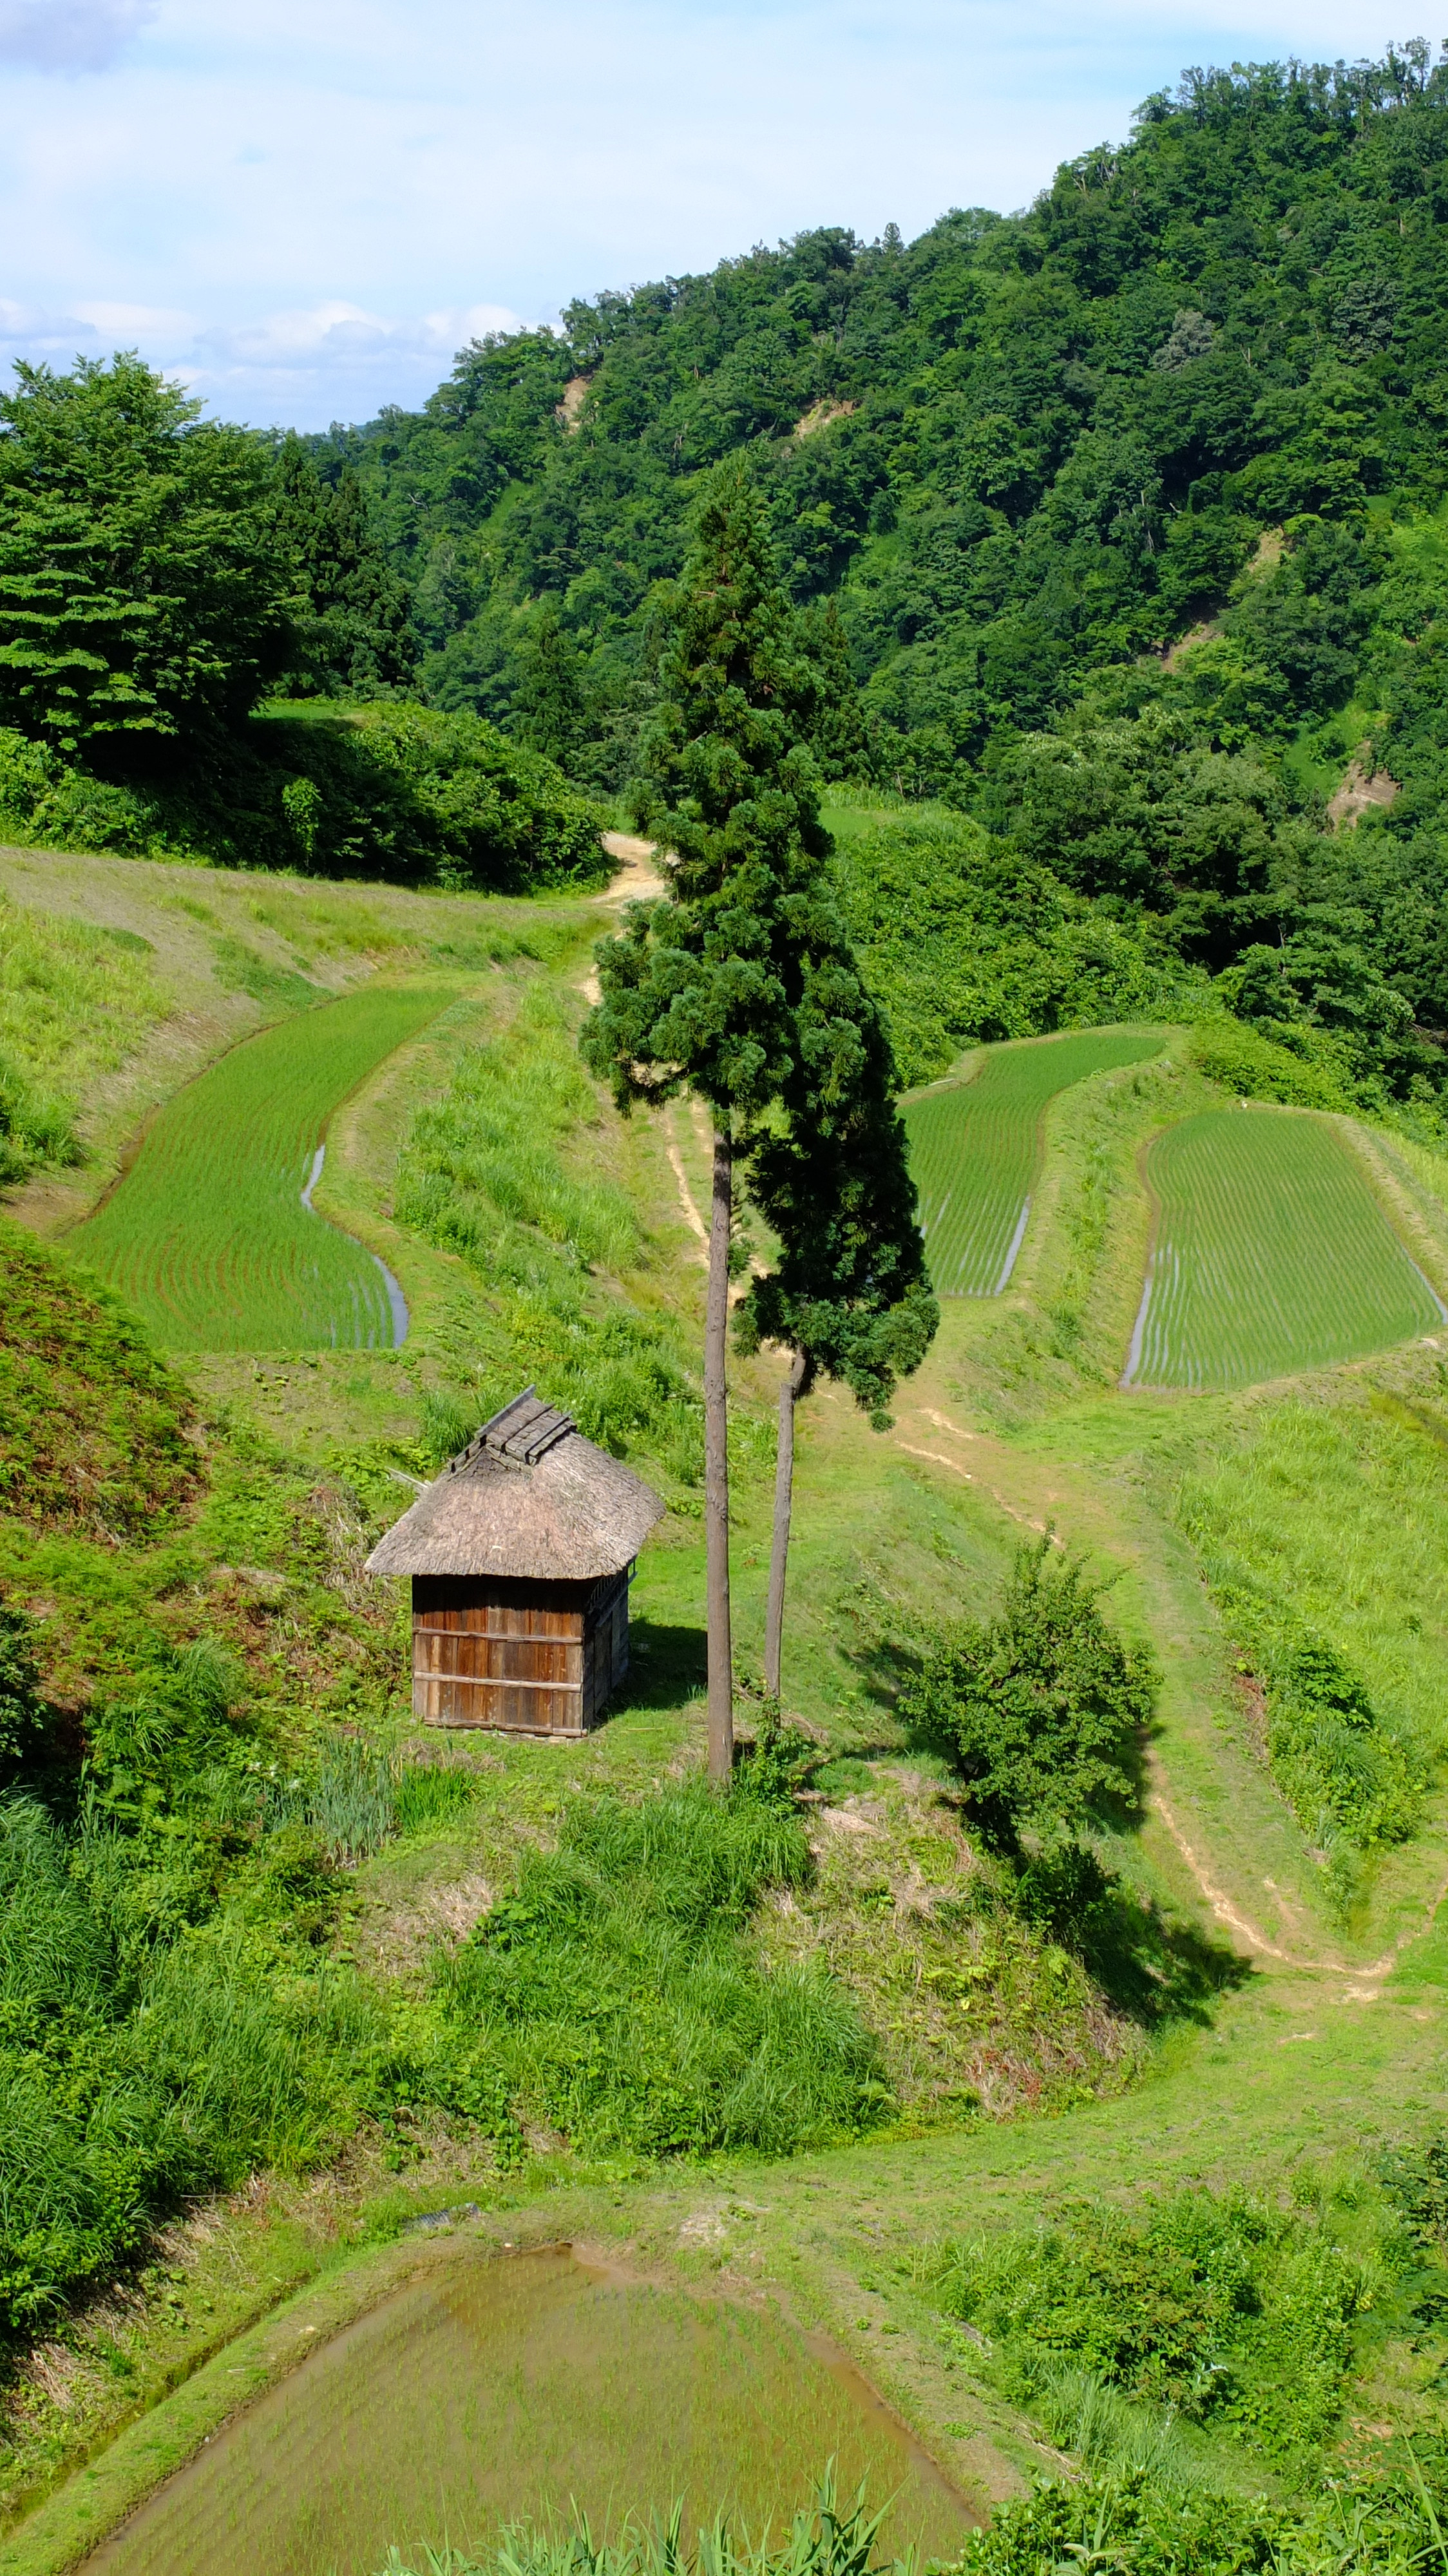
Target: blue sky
<point>305,206</point>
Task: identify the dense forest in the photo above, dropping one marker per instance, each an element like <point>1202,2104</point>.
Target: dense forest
<point>1111,523</point>
<point>1111,529</point>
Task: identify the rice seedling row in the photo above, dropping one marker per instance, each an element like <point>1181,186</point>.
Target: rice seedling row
<point>212,1237</point>
<point>975,1148</point>
<point>1271,1255</point>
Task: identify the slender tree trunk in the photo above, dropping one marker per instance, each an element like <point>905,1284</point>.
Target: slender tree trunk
<point>789,1389</point>
<point>716,1466</point>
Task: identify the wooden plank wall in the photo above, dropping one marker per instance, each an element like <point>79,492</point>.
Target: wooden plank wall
<point>532,1659</point>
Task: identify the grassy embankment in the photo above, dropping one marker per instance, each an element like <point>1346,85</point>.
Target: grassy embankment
<point>1015,1420</point>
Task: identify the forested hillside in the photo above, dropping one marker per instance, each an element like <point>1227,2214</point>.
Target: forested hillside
<point>1112,522</point>
<point>1113,531</point>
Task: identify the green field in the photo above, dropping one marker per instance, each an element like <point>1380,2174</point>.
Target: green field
<point>207,1236</point>
<point>1271,1254</point>
<point>975,1148</point>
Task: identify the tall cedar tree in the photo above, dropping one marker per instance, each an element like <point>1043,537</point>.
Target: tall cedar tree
<point>850,1294</point>
<point>352,614</point>
<point>741,987</point>
<point>701,990</point>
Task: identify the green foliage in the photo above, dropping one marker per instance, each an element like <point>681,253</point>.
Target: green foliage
<point>833,2538</point>
<point>94,1428</point>
<point>1246,1061</point>
<point>381,790</point>
<point>1346,1773</point>
<point>135,2068</point>
<point>22,1715</point>
<point>483,1174</point>
<point>1321,1530</point>
<point>1136,2526</point>
<point>1226,2310</point>
<point>615,1988</point>
<point>704,989</point>
<point>1041,1710</point>
<point>142,591</point>
<point>965,941</point>
<point>351,625</point>
<point>1113,521</point>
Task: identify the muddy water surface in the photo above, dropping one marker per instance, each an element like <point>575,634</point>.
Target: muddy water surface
<point>493,2389</point>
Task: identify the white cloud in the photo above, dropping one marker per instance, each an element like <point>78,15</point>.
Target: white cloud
<point>343,334</point>
<point>69,35</point>
<point>306,206</point>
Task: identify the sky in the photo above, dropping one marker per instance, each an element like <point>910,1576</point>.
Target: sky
<point>305,207</point>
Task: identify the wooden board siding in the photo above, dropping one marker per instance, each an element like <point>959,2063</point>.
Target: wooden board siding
<point>530,1658</point>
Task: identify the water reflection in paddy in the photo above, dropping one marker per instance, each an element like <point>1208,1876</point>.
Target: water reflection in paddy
<point>493,2390</point>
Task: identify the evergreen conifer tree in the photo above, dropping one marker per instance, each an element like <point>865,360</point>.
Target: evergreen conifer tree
<point>739,985</point>
<point>850,1295</point>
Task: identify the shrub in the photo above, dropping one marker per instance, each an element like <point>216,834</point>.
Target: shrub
<point>390,790</point>
<point>1134,2526</point>
<point>1039,1710</point>
<point>1225,2309</point>
<point>615,1988</point>
<point>833,2539</point>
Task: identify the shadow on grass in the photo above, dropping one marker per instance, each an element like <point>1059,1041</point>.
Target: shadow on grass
<point>1150,1964</point>
<point>666,1667</point>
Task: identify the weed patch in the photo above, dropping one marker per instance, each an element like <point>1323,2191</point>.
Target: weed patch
<point>1225,2310</point>
<point>615,1988</point>
<point>484,1175</point>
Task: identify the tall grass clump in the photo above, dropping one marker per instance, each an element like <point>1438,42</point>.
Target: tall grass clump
<point>1222,2311</point>
<point>829,2538</point>
<point>136,2067</point>
<point>502,1170</point>
<point>616,1990</point>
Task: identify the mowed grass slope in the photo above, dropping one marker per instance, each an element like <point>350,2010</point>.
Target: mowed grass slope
<point>975,1148</point>
<point>1271,1255</point>
<point>207,1237</point>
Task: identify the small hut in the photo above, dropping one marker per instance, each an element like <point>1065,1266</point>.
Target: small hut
<point>521,1555</point>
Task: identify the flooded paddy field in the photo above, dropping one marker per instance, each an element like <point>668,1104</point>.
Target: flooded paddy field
<point>530,2388</point>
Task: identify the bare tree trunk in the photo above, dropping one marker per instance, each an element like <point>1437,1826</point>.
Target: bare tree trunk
<point>789,1389</point>
<point>716,1467</point>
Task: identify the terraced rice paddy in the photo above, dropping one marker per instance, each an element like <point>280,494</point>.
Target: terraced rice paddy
<point>531,2388</point>
<point>211,1235</point>
<point>1271,1254</point>
<point>975,1148</point>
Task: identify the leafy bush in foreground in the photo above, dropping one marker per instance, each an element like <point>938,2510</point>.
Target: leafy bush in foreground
<point>615,1991</point>
<point>1131,2527</point>
<point>1040,1709</point>
<point>1223,2309</point>
<point>832,2539</point>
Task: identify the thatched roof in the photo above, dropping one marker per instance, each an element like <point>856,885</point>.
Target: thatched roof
<point>529,1499</point>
